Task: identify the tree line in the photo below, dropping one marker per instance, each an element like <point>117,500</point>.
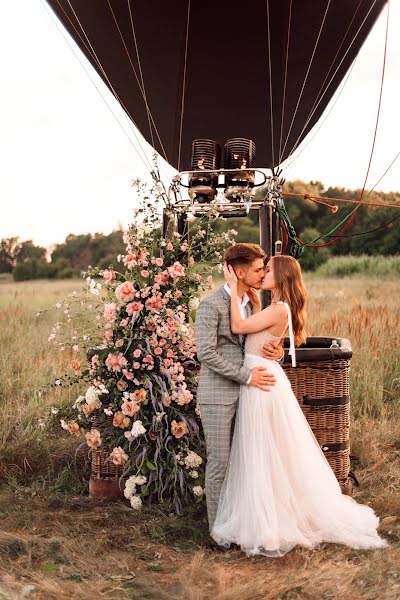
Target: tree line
<point>375,231</point>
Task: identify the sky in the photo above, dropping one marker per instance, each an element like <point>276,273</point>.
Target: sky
<point>67,164</point>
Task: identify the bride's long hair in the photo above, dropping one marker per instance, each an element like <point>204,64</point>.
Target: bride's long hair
<point>290,288</point>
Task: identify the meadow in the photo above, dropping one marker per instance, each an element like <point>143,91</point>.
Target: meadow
<point>58,543</point>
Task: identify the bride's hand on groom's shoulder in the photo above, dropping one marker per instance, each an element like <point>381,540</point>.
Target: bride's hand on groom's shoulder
<point>230,275</point>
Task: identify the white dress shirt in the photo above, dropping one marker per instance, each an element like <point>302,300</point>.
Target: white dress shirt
<point>243,312</point>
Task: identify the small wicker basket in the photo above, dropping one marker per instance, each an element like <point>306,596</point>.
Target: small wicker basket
<point>320,382</point>
<point>105,479</point>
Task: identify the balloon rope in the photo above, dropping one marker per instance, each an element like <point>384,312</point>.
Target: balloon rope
<point>271,110</point>
<point>307,74</point>
<point>55,23</point>
<point>184,86</point>
<point>330,81</point>
<point>285,82</point>
<point>287,167</point>
<point>346,200</point>
<point>140,84</point>
<point>353,213</point>
<point>130,121</point>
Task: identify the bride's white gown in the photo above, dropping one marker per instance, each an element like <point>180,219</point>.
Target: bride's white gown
<point>279,490</point>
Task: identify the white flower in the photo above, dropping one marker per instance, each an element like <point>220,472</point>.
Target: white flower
<point>92,395</point>
<point>193,460</point>
<point>139,479</point>
<point>198,411</point>
<point>58,382</point>
<point>130,488</point>
<point>64,424</point>
<point>136,430</point>
<point>108,412</point>
<point>194,303</point>
<point>136,502</point>
<point>198,490</point>
<point>159,416</point>
<point>194,474</point>
<point>54,410</point>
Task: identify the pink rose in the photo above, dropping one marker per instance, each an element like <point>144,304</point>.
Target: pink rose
<point>144,273</point>
<point>177,270</point>
<point>125,291</point>
<point>109,275</point>
<point>127,374</point>
<point>115,362</point>
<point>177,294</point>
<point>158,351</point>
<point>137,353</point>
<point>124,322</point>
<point>136,366</point>
<point>170,246</point>
<point>133,307</point>
<point>159,262</point>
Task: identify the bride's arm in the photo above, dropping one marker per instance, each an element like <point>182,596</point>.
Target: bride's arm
<point>258,322</point>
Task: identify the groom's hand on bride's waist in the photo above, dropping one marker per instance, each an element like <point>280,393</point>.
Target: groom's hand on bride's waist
<point>262,379</point>
<point>273,350</point>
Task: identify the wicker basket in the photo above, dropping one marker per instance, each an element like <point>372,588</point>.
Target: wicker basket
<point>105,479</point>
<point>320,382</point>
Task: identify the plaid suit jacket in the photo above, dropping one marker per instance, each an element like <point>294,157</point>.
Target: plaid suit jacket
<point>219,351</point>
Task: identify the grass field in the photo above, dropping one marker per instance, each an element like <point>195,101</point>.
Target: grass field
<point>57,543</point>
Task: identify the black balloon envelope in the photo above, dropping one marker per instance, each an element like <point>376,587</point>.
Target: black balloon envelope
<point>200,69</point>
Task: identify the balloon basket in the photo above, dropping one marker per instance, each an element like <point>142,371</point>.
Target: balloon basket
<point>320,382</point>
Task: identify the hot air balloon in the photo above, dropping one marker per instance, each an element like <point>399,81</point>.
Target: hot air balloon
<point>263,70</point>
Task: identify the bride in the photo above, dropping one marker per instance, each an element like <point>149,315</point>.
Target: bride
<point>279,490</point>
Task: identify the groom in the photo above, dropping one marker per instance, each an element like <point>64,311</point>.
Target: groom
<point>221,354</point>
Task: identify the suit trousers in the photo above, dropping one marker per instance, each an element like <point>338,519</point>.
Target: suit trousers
<point>218,424</point>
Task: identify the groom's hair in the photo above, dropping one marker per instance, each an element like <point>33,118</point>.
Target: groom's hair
<point>242,255</point>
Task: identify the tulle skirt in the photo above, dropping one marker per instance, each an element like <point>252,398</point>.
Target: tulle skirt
<point>279,490</point>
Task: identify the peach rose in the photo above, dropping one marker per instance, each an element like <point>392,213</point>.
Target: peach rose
<point>89,408</point>
<point>177,270</point>
<point>129,408</point>
<point>139,395</point>
<point>73,428</point>
<point>93,438</point>
<point>121,385</point>
<point>120,420</point>
<point>127,374</point>
<point>179,429</point>
<point>118,456</point>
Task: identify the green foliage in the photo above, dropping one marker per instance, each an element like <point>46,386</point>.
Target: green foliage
<point>312,258</point>
<point>341,266</point>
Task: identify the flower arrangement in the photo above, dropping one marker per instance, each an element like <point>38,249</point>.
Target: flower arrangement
<point>132,344</point>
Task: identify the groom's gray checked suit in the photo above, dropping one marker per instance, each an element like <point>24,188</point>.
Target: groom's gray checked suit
<point>220,353</point>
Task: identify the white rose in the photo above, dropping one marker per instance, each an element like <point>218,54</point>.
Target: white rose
<point>91,395</point>
<point>140,479</point>
<point>130,488</point>
<point>194,474</point>
<point>194,303</point>
<point>193,460</point>
<point>198,490</point>
<point>136,502</point>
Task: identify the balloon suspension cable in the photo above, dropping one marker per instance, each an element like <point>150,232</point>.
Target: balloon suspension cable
<point>349,219</point>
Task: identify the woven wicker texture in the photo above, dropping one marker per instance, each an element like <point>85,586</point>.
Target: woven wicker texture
<point>322,390</point>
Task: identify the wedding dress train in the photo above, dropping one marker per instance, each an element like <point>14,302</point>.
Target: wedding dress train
<point>279,490</point>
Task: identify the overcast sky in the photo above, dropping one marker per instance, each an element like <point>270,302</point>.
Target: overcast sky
<point>67,165</point>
